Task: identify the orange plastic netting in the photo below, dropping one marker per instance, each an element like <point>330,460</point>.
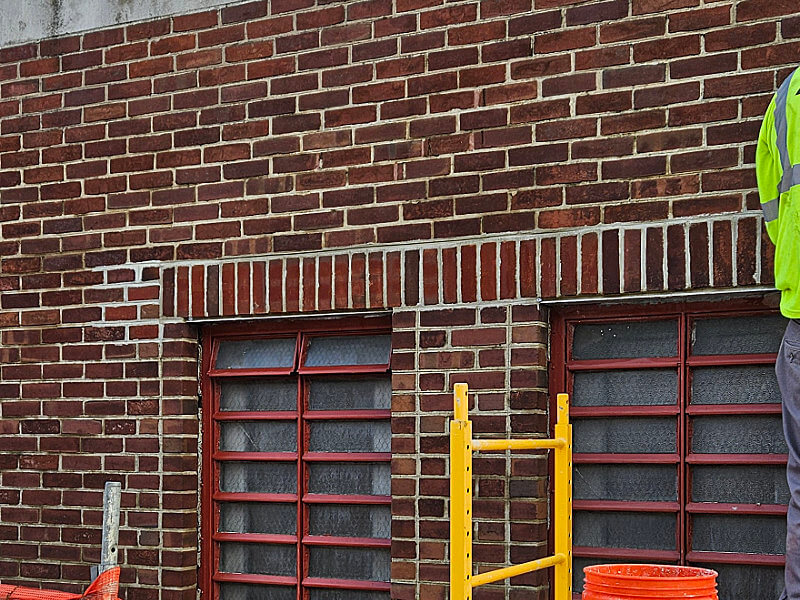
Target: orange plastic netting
<point>105,587</point>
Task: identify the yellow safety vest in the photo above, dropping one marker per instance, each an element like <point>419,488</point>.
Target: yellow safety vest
<point>778,174</point>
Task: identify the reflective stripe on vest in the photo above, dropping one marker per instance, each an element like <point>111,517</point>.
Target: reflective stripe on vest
<point>790,173</point>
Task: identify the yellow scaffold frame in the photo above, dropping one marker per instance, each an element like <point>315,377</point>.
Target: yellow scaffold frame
<point>462,445</point>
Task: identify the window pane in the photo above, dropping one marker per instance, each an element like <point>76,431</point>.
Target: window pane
<point>348,350</point>
<point>256,354</point>
<point>738,434</point>
<point>636,435</point>
<point>262,395</point>
<point>368,479</point>
<point>350,436</point>
<point>350,394</point>
<point>318,594</point>
<point>639,339</point>
<point>651,483</point>
<point>258,436</point>
<point>259,559</point>
<point>625,388</point>
<point>749,582</point>
<point>755,384</point>
<point>735,484</point>
<point>359,520</point>
<point>258,477</point>
<point>258,517</point>
<point>655,531</point>
<point>752,534</point>
<point>753,334</point>
<point>349,563</point>
<point>243,591</point>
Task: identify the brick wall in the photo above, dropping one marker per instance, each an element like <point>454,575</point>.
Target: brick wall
<point>454,161</point>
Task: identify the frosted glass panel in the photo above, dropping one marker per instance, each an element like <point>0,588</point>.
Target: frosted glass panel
<point>258,395</point>
<point>735,484</point>
<point>260,559</point>
<point>638,339</point>
<point>349,350</point>
<point>358,520</point>
<point>350,436</point>
<point>755,384</point>
<point>755,334</point>
<point>625,435</point>
<point>244,591</point>
<point>625,388</point>
<point>651,483</point>
<point>355,563</point>
<point>738,434</point>
<point>349,394</point>
<point>747,582</point>
<point>751,534</point>
<point>258,477</point>
<point>318,594</point>
<point>371,479</point>
<point>258,436</point>
<point>258,517</point>
<point>256,354</point>
<point>655,531</point>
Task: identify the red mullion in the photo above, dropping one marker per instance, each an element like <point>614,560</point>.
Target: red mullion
<point>348,415</point>
<point>683,448</point>
<point>637,554</point>
<point>623,459</point>
<point>224,456</point>
<point>730,360</point>
<point>344,369</point>
<point>252,578</point>
<point>251,373</point>
<point>346,542</point>
<point>626,506</point>
<point>347,584</point>
<point>614,364</point>
<point>302,442</point>
<point>253,497</point>
<point>341,499</point>
<point>737,558</point>
<point>737,459</point>
<point>734,409</point>
<point>719,508</point>
<point>253,538</point>
<point>284,415</point>
<point>347,457</point>
<point>646,410</point>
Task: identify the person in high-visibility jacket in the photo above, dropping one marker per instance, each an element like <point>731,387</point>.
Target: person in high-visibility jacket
<point>778,174</point>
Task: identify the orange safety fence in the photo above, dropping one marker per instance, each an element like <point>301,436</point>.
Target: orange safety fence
<point>105,587</point>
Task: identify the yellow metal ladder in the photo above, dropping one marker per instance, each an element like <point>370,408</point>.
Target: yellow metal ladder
<point>462,445</point>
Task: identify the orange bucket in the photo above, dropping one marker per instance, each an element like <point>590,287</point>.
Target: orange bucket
<point>649,582</point>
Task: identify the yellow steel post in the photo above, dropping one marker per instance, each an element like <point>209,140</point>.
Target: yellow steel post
<point>461,497</point>
<point>563,501</point>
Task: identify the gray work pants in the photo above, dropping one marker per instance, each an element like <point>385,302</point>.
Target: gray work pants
<point>787,368</point>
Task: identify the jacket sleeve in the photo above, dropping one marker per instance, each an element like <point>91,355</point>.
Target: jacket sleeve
<point>768,168</point>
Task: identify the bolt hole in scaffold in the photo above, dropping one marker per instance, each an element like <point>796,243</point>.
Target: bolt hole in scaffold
<point>462,445</point>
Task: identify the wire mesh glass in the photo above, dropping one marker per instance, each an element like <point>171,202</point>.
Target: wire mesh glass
<point>625,435</point>
<point>244,591</point>
<point>328,393</point>
<point>343,478</point>
<point>350,436</point>
<point>348,350</point>
<point>322,594</point>
<point>258,559</point>
<point>264,395</point>
<point>258,477</point>
<point>747,582</point>
<point>258,517</point>
<point>350,520</point>
<point>618,339</point>
<point>650,483</point>
<point>749,534</point>
<point>750,384</point>
<point>747,334</point>
<point>641,530</point>
<point>256,354</point>
<point>740,484</point>
<point>371,564</point>
<point>738,434</point>
<point>258,436</point>
<point>627,387</point>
